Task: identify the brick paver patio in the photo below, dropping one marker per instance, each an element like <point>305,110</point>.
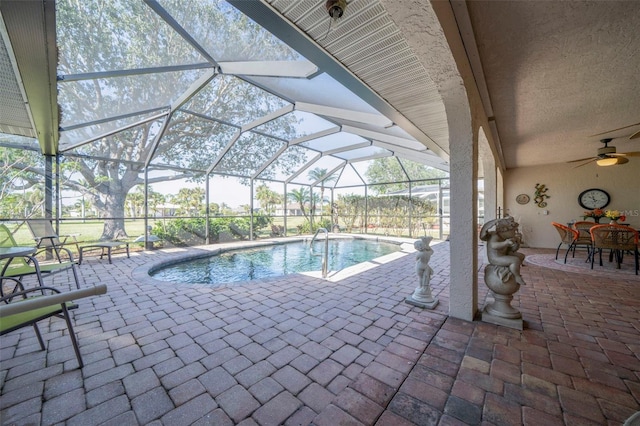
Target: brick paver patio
<point>300,350</point>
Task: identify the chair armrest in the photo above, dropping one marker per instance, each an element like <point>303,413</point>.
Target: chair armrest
<point>57,249</point>
<point>42,301</point>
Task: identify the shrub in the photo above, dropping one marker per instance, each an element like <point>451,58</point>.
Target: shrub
<point>189,232</point>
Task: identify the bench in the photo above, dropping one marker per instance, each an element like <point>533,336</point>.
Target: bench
<point>107,246</point>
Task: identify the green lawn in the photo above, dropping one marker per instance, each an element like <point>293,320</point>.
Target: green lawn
<point>85,232</point>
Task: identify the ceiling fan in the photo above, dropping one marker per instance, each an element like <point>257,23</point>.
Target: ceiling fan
<point>634,135</point>
<point>607,155</point>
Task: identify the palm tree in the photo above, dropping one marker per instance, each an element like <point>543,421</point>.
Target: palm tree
<point>300,196</point>
<point>267,198</point>
<point>319,174</point>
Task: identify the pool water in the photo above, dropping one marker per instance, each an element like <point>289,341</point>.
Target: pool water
<point>272,261</point>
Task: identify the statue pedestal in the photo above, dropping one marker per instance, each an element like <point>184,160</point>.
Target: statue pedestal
<point>422,298</point>
<point>422,304</point>
<point>500,312</point>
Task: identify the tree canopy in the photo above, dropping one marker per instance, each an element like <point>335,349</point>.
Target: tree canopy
<point>391,174</point>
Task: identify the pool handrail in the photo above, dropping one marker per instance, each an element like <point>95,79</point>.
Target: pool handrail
<point>324,255</point>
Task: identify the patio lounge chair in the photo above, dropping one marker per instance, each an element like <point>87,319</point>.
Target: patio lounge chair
<point>238,232</point>
<point>18,310</point>
<point>47,238</point>
<point>19,267</point>
<point>277,231</point>
<point>105,247</point>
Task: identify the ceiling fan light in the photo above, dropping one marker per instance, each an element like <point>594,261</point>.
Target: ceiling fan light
<point>611,161</point>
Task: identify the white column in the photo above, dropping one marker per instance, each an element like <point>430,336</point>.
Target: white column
<point>463,287</point>
<point>490,189</point>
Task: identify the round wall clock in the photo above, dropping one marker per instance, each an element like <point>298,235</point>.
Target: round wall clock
<point>594,198</point>
<point>522,199</point>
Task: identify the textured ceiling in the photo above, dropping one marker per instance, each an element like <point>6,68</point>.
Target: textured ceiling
<point>558,73</point>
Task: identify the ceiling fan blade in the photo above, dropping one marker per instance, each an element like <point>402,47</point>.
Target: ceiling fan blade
<point>636,135</point>
<point>585,163</point>
<point>583,159</point>
<point>620,128</point>
<point>627,154</point>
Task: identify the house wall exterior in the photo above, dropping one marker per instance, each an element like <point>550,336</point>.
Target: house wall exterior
<point>565,183</point>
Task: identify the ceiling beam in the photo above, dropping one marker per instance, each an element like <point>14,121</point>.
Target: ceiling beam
<point>287,69</point>
<point>345,114</point>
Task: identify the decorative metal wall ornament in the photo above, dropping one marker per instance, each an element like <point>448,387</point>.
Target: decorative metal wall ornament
<point>541,195</point>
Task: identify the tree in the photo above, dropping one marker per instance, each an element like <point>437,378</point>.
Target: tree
<point>300,196</point>
<point>22,171</point>
<point>320,174</point>
<point>111,36</point>
<point>268,198</point>
<point>388,174</point>
<point>190,200</point>
<point>135,201</point>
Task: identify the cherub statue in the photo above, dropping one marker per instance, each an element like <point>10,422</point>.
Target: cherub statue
<point>503,245</point>
<point>423,256</point>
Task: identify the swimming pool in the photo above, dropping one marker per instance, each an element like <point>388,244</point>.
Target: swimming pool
<point>272,261</point>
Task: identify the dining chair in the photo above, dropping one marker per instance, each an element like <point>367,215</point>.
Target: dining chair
<point>618,239</point>
<point>568,236</point>
<point>584,236</point>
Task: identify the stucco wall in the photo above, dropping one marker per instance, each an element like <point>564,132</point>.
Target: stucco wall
<point>565,184</point>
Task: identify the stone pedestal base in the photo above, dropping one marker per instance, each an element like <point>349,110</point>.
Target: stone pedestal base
<point>501,307</point>
<point>516,323</point>
<point>422,304</point>
<point>500,312</point>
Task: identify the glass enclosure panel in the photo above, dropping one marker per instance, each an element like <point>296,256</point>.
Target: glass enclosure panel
<point>268,197</point>
<point>389,214</point>
<point>97,36</point>
<point>233,101</point>
<point>294,125</point>
<point>417,171</point>
<point>290,161</point>
<point>247,154</point>
<point>75,136</point>
<point>89,100</point>
<point>18,142</point>
<point>225,33</point>
<point>323,163</point>
<point>22,175</point>
<point>369,151</point>
<point>269,208</point>
<point>349,209</point>
<point>333,141</point>
<point>231,194</point>
<point>192,142</point>
<point>349,177</point>
<point>128,146</point>
<point>381,170</point>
